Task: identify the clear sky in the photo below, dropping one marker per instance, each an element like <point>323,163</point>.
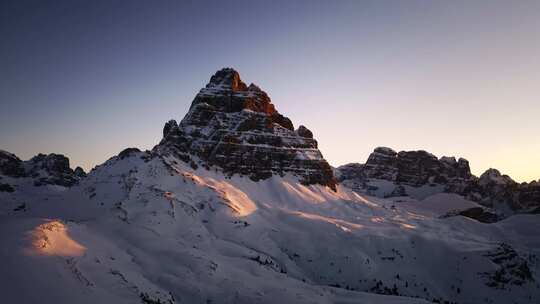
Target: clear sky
<point>90,78</point>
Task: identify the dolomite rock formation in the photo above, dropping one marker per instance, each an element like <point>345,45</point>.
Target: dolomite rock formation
<point>423,169</point>
<point>236,128</point>
<point>51,169</point>
<point>413,168</point>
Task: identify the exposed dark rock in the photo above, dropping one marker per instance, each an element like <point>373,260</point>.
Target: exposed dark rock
<point>511,268</point>
<point>51,163</point>
<point>6,188</point>
<point>414,168</point>
<point>529,195</point>
<point>420,168</point>
<point>352,175</point>
<point>304,132</point>
<point>535,210</point>
<point>228,78</point>
<point>129,152</point>
<point>51,169</point>
<point>493,187</point>
<point>352,171</point>
<point>382,164</point>
<point>21,207</point>
<point>496,188</point>
<point>11,165</point>
<point>480,214</point>
<point>398,191</point>
<point>171,124</point>
<point>79,172</point>
<point>236,128</point>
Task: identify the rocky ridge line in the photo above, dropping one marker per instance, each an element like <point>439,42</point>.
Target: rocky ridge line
<point>51,169</point>
<point>421,169</point>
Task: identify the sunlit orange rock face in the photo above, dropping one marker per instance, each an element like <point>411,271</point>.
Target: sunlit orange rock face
<point>52,238</point>
<point>237,128</point>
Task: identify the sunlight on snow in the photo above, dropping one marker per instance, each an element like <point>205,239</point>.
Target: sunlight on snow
<point>52,238</point>
<point>377,219</point>
<point>416,216</point>
<point>304,192</point>
<point>364,200</point>
<point>236,198</point>
<point>407,226</point>
<point>341,224</point>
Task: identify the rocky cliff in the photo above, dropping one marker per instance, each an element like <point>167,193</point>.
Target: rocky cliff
<point>496,188</point>
<point>411,170</point>
<point>51,169</point>
<point>236,128</point>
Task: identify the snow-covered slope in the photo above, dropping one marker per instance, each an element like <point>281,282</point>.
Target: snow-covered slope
<point>146,228</point>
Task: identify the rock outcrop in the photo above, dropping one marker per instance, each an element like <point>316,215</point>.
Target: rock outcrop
<point>128,152</point>
<point>411,168</point>
<point>529,196</point>
<point>11,165</point>
<point>477,213</point>
<point>496,188</point>
<point>51,169</point>
<point>79,172</point>
<point>512,268</point>
<point>422,169</point>
<point>236,128</point>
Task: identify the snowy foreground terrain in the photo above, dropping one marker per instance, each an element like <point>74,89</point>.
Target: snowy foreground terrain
<point>147,228</point>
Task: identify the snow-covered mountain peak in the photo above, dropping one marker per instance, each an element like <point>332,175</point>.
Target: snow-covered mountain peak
<point>237,129</point>
<point>226,79</point>
<point>228,93</point>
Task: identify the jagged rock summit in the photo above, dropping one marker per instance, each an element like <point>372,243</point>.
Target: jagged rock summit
<point>50,169</point>
<point>421,173</point>
<point>415,168</point>
<point>236,127</point>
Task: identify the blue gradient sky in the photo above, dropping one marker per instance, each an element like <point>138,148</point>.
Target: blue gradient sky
<point>89,78</point>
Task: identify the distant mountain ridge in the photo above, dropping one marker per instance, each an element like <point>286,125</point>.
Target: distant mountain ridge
<point>415,169</point>
<point>51,169</point>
